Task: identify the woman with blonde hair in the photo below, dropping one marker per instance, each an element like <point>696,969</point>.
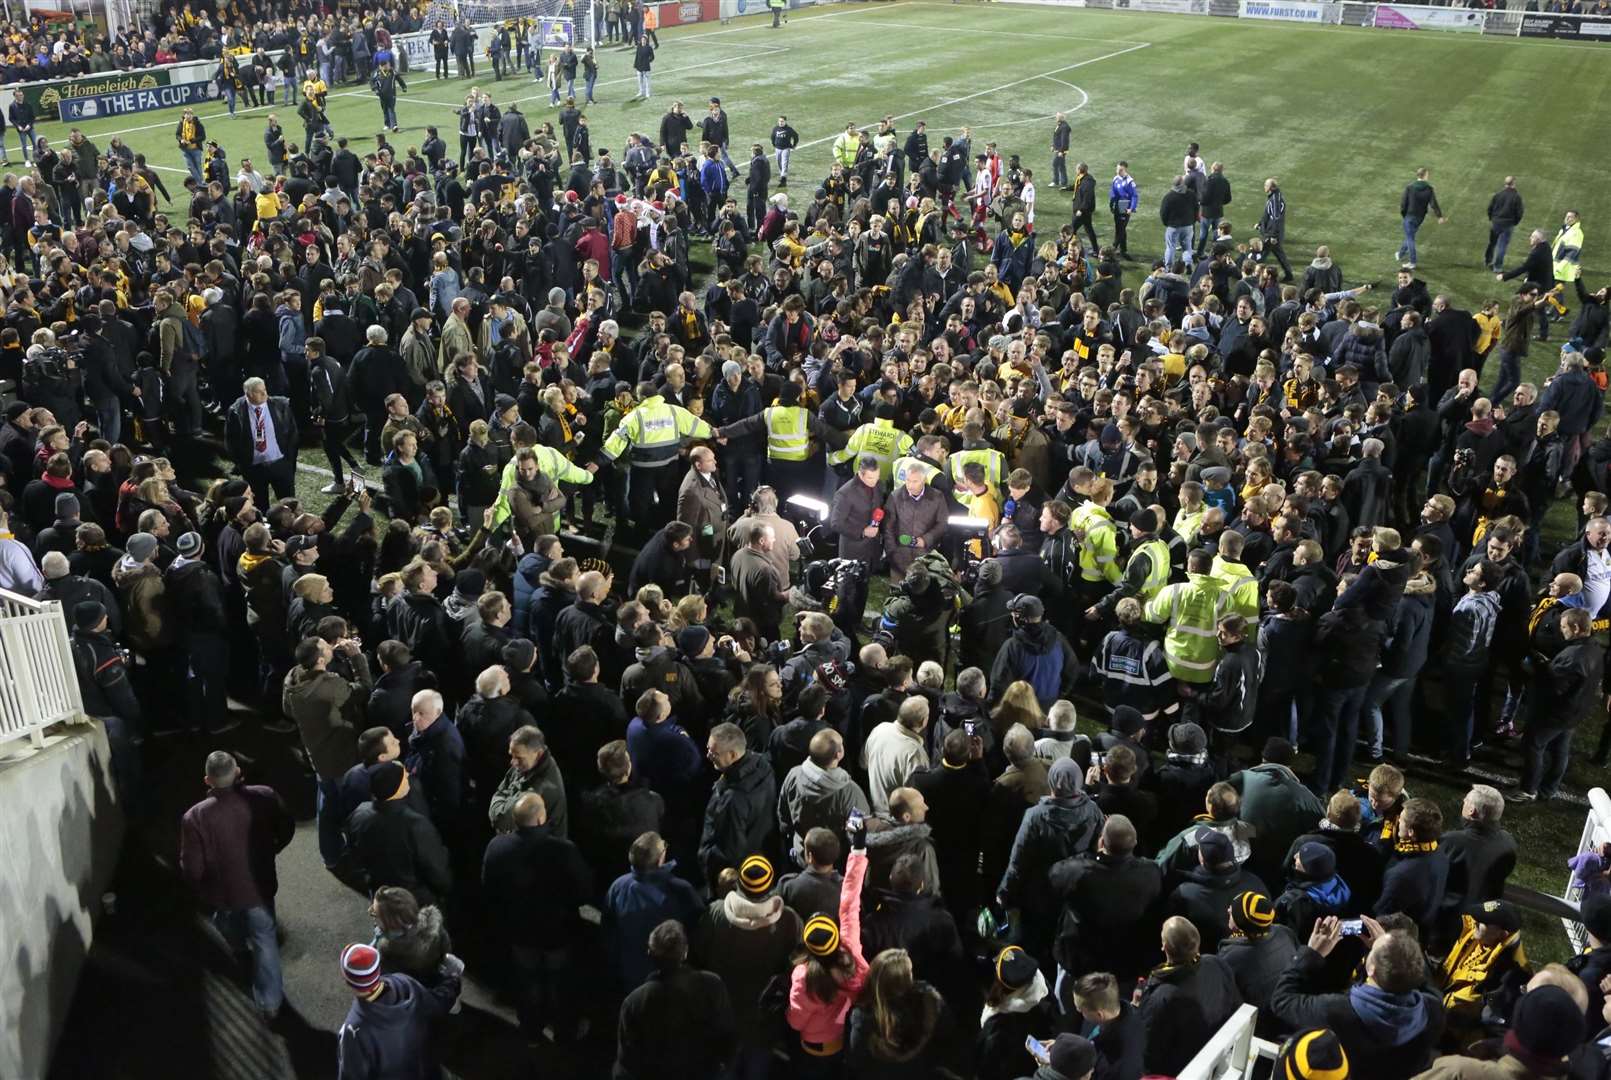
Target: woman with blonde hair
<point>900,1027</point>
<point>1018,705</point>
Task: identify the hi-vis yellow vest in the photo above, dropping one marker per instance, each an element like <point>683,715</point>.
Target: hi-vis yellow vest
<point>880,439</point>
<point>788,433</point>
<point>1156,552</point>
<point>1191,613</point>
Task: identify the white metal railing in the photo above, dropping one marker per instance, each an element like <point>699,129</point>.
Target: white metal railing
<point>1233,1053</point>
<point>1596,831</point>
<point>38,684</point>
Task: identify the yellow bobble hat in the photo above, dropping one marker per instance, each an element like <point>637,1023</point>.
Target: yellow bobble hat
<point>821,936</point>
<point>1253,913</point>
<point>1316,1054</point>
<point>755,875</point>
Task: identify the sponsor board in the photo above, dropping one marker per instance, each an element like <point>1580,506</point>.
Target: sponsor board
<point>48,96</point>
<point>1565,26</point>
<point>137,101</point>
<point>1177,7</point>
<point>1283,10</point>
<point>1411,17</point>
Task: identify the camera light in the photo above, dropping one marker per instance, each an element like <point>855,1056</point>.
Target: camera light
<point>806,502</point>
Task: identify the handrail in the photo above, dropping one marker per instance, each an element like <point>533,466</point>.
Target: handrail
<point>38,682</point>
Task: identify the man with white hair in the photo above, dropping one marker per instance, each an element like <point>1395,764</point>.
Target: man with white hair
<point>435,761</point>
<point>1481,853</point>
<point>220,329</point>
<point>260,433</point>
<point>1058,737</point>
<point>71,589</point>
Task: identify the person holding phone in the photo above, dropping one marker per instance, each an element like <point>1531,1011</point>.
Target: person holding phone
<point>1389,1025</point>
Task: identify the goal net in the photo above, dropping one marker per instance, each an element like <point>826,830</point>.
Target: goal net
<point>558,21</point>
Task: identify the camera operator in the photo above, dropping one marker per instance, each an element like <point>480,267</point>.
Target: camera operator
<point>104,383</point>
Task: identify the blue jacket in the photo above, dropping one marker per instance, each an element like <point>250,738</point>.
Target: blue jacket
<point>635,905</point>
<point>388,1038</point>
<point>435,762</point>
<point>713,177</point>
<point>1123,194</point>
<point>1410,630</point>
<point>664,755</point>
<point>527,573</point>
<point>1577,398</point>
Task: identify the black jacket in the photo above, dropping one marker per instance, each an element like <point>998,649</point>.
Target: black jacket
<point>1205,898</point>
<point>611,817</point>
<point>532,885</point>
<point>1182,1006</point>
<point>393,695</point>
<point>238,434</point>
<point>418,621</point>
<point>1111,914</point>
<point>921,925</point>
<point>486,724</point>
<point>1054,829</point>
<point>1256,964</point>
<point>1566,690</point>
<point>677,1024</point>
<point>1414,884</point>
<point>1394,1042</point>
<point>396,845</point>
<point>739,817</point>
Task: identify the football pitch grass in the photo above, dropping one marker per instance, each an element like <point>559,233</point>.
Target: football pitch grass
<point>1342,116</point>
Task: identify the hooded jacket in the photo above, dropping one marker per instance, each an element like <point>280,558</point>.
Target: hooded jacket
<point>887,841</point>
<point>635,904</point>
<point>390,1035</point>
<point>1386,1036</point>
<point>1206,894</point>
<point>747,941</point>
<point>813,796</point>
<point>1054,829</point>
<point>147,625</point>
<point>1280,807</point>
<point>1039,655</point>
<point>1410,631</point>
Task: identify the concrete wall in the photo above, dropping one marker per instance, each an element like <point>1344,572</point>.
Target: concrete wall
<point>60,831</point>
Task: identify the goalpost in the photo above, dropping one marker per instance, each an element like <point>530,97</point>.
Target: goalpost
<point>560,21</point>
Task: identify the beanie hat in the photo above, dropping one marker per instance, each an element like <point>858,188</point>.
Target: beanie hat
<point>1064,777</point>
<point>1126,720</point>
<point>1596,916</point>
<point>66,506</point>
<point>87,614</point>
<point>1318,860</point>
<point>1145,520</point>
<point>189,545</point>
<point>1496,913</point>
<point>834,675</point>
<point>470,583</point>
<point>1546,1022</point>
<point>420,313</point>
<point>1072,1056</point>
<point>820,936</point>
<point>360,966</point>
<point>141,546</point>
<point>518,654</point>
<point>990,572</point>
<point>1022,408</point>
<point>1316,1054</point>
<point>755,875</point>
<point>15,410</point>
<point>1110,438</point>
<point>691,640</point>
<point>1015,969</point>
<point>1252,913</point>
<point>385,777</point>
<point>1215,848</point>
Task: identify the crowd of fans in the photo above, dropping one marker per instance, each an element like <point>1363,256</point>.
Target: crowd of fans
<point>1254,529</point>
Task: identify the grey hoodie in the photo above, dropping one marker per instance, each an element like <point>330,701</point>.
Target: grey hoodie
<point>811,796</point>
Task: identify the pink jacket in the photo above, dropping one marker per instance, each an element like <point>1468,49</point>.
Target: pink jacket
<point>824,1022</point>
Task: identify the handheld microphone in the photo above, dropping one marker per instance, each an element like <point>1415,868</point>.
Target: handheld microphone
<point>1009,510</point>
<point>878,517</point>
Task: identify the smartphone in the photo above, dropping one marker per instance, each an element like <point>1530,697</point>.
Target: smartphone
<point>854,821</point>
<point>971,727</point>
<point>1099,759</point>
<point>1352,927</point>
<point>1038,1050</point>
